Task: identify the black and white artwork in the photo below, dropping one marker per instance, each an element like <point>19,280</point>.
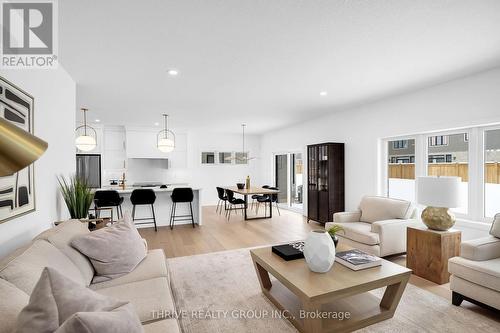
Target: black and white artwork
<point>17,192</point>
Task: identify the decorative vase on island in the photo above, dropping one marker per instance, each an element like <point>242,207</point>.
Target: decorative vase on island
<point>319,251</point>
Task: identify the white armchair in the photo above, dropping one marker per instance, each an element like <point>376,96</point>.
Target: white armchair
<point>475,274</point>
<point>379,227</point>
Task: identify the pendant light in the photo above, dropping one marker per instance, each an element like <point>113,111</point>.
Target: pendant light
<point>86,136</point>
<point>165,140</point>
<point>245,157</point>
<point>18,148</point>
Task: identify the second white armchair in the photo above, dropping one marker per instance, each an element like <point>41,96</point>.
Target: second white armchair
<point>378,227</point>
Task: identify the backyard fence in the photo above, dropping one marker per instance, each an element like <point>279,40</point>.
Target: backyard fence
<point>407,171</point>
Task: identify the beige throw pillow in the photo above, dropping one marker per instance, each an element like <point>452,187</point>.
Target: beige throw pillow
<point>113,251</point>
<point>58,304</point>
<point>495,226</point>
<point>374,209</point>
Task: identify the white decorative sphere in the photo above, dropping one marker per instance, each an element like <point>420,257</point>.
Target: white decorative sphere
<point>319,251</point>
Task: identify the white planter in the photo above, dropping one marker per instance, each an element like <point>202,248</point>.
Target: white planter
<point>319,251</point>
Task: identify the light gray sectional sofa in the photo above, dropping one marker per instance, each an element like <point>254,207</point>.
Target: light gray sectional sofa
<point>147,287</point>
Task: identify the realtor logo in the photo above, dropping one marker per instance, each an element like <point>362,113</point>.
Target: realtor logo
<point>29,34</point>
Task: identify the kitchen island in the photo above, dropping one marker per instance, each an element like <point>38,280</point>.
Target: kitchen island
<point>163,205</point>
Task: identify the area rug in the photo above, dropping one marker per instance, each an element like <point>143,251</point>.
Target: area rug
<point>219,292</point>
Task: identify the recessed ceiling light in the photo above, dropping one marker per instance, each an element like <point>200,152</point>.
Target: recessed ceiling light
<point>157,124</point>
<point>98,120</point>
<point>173,72</point>
<point>323,93</point>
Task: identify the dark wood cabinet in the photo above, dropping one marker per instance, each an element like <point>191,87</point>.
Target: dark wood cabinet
<point>325,181</point>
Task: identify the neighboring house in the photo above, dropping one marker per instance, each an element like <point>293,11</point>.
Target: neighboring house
<point>444,149</point>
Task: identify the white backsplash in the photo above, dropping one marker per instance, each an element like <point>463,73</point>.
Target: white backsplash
<point>146,170</point>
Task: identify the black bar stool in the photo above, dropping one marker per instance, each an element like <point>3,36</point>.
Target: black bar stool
<point>143,197</point>
<point>107,199</point>
<point>221,193</point>
<point>179,195</point>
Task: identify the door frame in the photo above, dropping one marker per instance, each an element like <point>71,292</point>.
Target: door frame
<point>288,205</point>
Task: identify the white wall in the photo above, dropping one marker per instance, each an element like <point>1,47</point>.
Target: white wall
<point>209,176</point>
<point>54,114</point>
<point>474,100</point>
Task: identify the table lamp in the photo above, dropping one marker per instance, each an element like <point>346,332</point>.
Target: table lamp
<point>438,194</point>
<point>18,148</point>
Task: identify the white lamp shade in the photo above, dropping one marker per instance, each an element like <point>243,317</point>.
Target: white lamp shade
<point>85,143</point>
<point>439,191</point>
<point>166,145</point>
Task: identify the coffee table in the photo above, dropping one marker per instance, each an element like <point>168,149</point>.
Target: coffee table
<point>315,302</point>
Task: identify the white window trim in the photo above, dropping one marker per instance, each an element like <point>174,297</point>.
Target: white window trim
<point>476,160</point>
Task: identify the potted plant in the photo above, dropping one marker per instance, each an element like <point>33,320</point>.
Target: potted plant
<point>77,195</point>
<point>333,233</point>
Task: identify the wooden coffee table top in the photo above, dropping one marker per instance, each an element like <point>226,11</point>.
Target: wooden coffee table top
<point>340,280</point>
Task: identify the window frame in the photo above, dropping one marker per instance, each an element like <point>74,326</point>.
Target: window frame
<point>475,136</point>
<point>483,167</point>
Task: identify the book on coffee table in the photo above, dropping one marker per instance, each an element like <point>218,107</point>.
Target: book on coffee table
<point>290,251</point>
<point>357,259</point>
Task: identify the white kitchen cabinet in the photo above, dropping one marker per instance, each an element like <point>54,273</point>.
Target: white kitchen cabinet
<point>114,160</point>
<point>114,155</point>
<point>177,159</point>
<point>114,139</point>
<point>141,143</point>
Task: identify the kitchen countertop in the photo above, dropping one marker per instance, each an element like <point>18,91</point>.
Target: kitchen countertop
<point>129,189</point>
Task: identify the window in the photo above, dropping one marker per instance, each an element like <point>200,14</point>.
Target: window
<point>208,157</point>
<point>440,140</point>
<point>472,154</point>
<point>450,157</point>
<point>446,158</point>
<point>401,169</point>
<point>400,144</point>
<point>225,157</point>
<point>491,172</point>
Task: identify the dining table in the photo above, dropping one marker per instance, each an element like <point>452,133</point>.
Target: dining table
<point>245,192</point>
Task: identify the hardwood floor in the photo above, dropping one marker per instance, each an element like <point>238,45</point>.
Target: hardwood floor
<point>219,234</point>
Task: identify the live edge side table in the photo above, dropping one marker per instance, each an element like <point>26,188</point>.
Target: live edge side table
<point>428,251</point>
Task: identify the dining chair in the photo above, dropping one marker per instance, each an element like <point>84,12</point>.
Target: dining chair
<point>233,202</point>
<point>221,193</point>
<point>269,198</point>
<point>255,196</point>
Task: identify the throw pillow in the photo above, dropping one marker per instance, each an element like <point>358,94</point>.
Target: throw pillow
<point>495,226</point>
<point>60,305</point>
<point>113,251</point>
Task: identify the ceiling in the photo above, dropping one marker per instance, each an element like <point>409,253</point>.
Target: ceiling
<point>265,62</point>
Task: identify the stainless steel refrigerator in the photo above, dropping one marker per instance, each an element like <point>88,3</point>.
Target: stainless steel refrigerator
<point>88,167</point>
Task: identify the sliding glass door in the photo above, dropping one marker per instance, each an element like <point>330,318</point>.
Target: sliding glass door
<point>281,177</point>
<point>288,169</point>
